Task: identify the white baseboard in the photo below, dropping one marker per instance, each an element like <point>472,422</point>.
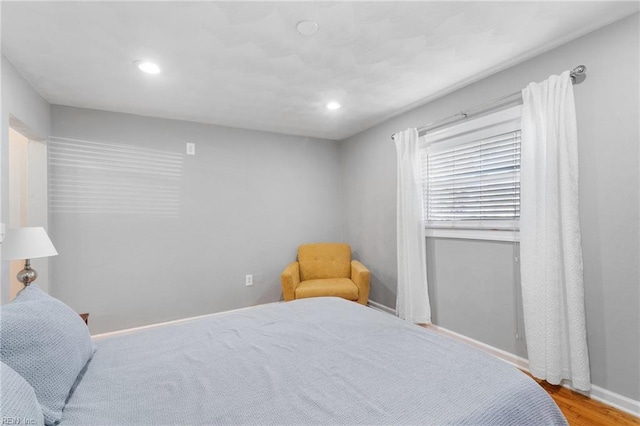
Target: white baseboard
<point>621,402</point>
<point>605,396</point>
<point>515,360</point>
<point>161,324</point>
<point>380,307</point>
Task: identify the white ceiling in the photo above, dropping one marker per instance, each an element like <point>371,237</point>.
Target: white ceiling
<point>243,64</point>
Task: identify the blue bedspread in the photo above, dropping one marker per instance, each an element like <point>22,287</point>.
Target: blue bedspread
<point>320,361</point>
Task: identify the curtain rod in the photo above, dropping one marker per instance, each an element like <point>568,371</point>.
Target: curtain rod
<point>574,74</point>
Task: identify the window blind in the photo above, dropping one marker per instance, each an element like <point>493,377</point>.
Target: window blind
<point>477,181</point>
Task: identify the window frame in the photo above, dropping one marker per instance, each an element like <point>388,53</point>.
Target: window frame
<point>486,126</point>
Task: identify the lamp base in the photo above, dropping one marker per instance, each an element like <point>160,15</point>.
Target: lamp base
<point>27,275</point>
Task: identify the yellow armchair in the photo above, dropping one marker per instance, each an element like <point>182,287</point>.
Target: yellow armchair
<point>326,269</point>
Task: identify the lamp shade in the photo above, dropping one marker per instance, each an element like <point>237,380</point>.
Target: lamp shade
<point>27,243</point>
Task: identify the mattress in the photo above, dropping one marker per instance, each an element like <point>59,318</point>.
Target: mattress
<point>320,361</point>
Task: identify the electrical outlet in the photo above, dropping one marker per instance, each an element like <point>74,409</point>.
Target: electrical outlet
<point>248,280</point>
<point>191,148</point>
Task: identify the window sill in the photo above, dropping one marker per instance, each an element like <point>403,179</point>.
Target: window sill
<point>473,234</point>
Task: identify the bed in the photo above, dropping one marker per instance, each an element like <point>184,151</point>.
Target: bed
<point>321,361</point>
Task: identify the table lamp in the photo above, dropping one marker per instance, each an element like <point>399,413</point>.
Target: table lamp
<point>27,243</point>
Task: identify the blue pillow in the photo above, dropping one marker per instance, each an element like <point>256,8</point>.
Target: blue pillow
<point>18,403</point>
<point>47,343</point>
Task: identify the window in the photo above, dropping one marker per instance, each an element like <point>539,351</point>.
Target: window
<point>471,178</point>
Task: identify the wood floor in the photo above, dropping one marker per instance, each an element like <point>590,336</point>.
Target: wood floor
<point>582,411</point>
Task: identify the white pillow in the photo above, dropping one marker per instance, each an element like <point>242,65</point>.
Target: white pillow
<point>47,343</point>
<point>18,403</point>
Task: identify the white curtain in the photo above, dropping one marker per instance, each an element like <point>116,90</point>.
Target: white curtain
<point>412,303</point>
<point>550,242</point>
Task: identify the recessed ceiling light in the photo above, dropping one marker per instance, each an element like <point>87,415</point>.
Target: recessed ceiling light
<point>333,105</point>
<point>148,67</point>
<point>307,27</point>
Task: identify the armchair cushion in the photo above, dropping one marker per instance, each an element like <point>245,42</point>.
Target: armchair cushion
<point>338,287</point>
<point>324,260</point>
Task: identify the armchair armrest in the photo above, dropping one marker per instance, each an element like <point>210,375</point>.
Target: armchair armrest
<point>290,279</point>
<point>361,276</point>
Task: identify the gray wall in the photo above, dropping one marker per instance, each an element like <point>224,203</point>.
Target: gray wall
<point>473,285</point>
<point>474,289</point>
<point>22,102</point>
<point>247,200</point>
